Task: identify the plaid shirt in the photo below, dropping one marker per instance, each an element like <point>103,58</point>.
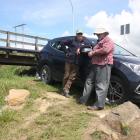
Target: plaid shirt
<point>103,52</point>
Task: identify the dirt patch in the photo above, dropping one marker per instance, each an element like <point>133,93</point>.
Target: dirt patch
<point>20,107</point>
<point>55,95</point>
<point>31,82</point>
<point>42,104</point>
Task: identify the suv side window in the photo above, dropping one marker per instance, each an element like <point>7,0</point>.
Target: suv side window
<point>56,45</point>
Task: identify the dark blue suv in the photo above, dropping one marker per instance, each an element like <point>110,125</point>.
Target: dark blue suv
<point>125,77</point>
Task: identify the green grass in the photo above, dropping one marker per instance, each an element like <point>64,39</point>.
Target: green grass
<point>126,130</point>
<point>7,116</point>
<point>61,122</point>
<point>97,135</point>
<point>9,79</point>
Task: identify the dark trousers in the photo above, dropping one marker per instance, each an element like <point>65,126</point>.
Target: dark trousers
<point>98,78</point>
<point>69,76</point>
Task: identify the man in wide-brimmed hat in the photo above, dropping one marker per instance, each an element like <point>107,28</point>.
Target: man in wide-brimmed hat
<point>99,76</point>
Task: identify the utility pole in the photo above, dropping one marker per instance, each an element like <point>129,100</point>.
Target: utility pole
<point>73,20</point>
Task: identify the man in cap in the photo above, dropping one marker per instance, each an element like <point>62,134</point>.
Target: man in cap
<point>71,65</point>
<point>99,76</point>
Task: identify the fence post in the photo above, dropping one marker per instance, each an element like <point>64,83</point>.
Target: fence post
<point>36,43</point>
<point>8,40</point>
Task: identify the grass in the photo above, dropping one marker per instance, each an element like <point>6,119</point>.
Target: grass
<point>97,135</point>
<point>9,78</point>
<point>7,116</point>
<point>61,122</point>
<point>126,130</point>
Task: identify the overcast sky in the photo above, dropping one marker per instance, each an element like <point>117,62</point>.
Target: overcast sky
<point>53,18</point>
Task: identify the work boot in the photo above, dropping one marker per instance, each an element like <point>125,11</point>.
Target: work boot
<point>66,94</point>
<point>94,108</point>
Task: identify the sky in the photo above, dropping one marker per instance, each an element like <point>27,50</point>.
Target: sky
<point>53,18</point>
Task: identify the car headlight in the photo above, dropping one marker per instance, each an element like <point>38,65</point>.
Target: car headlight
<point>134,67</point>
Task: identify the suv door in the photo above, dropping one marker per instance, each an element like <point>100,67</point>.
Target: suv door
<point>58,60</point>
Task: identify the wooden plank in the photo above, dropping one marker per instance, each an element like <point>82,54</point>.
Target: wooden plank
<point>21,42</point>
<point>18,60</point>
<point>23,35</point>
<point>3,48</point>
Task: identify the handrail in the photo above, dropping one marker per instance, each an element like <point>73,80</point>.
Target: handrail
<point>8,40</point>
<point>21,42</point>
<point>23,35</point>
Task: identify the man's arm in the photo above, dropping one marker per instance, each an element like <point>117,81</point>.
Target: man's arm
<point>87,44</point>
<point>66,42</point>
<point>65,45</point>
<point>105,49</point>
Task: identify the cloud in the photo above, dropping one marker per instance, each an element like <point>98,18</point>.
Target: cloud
<point>113,22</point>
<point>134,5</point>
<point>66,33</point>
<point>48,13</point>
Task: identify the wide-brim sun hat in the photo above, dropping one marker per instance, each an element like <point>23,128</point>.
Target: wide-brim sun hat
<point>100,30</point>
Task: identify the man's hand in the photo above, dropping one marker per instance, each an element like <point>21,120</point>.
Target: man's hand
<point>67,55</point>
<point>78,51</point>
<point>91,53</point>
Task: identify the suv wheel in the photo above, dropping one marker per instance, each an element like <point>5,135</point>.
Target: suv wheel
<point>46,74</point>
<point>116,92</point>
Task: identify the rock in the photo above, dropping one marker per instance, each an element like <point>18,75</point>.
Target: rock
<point>97,125</point>
<point>109,132</point>
<point>101,114</point>
<point>17,97</point>
<point>122,115</point>
<point>111,123</point>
